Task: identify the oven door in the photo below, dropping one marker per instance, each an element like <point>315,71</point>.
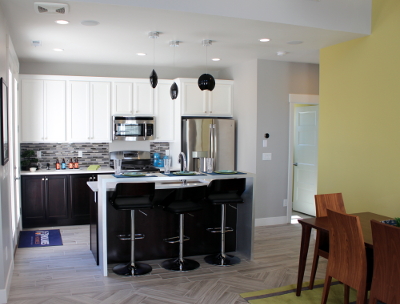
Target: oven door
<point>133,128</point>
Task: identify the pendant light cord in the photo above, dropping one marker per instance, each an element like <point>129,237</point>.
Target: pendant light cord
<point>154,53</point>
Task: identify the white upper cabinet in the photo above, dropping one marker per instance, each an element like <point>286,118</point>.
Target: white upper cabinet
<point>43,110</point>
<point>164,110</point>
<point>89,111</point>
<point>133,97</point>
<point>205,103</point>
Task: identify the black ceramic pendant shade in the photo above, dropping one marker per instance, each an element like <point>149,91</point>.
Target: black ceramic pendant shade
<point>174,91</point>
<point>206,82</point>
<point>153,79</point>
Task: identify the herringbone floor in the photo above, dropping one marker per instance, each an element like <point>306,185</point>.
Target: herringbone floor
<point>68,274</point>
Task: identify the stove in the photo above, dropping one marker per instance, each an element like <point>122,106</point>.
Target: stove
<point>134,161</point>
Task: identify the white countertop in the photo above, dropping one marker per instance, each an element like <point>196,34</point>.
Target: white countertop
<point>82,170</point>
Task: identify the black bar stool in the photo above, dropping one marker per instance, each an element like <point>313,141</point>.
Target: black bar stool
<point>222,192</point>
<point>132,196</point>
<point>183,200</point>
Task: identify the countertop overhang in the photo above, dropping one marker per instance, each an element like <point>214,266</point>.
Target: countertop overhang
<point>82,170</point>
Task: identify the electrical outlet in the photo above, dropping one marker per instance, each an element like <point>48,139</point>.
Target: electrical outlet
<point>39,154</point>
<point>79,153</point>
<point>266,156</point>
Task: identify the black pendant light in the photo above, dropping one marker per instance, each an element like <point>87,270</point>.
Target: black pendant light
<point>153,76</point>
<point>173,91</point>
<point>153,79</point>
<point>206,81</point>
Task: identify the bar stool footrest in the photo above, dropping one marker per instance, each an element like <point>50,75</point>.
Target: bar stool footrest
<point>218,229</point>
<point>178,265</point>
<point>128,270</point>
<point>175,239</point>
<point>127,237</point>
<point>219,260</point>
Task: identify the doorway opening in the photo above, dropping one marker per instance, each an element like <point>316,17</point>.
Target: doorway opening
<point>303,154</point>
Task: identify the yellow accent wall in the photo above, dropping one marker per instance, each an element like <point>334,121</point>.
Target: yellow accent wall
<point>359,137</point>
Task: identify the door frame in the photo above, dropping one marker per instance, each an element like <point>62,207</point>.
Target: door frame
<point>293,100</point>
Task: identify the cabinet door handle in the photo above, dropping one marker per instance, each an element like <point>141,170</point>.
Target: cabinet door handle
<point>42,179</point>
<point>47,178</point>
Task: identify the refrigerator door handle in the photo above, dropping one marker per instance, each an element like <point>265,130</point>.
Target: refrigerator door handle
<point>210,153</point>
<point>215,148</point>
<point>145,131</point>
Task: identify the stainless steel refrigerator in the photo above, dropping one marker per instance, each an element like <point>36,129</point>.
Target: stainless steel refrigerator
<point>207,137</point>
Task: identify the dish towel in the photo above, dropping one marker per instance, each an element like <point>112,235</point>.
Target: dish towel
<point>93,167</point>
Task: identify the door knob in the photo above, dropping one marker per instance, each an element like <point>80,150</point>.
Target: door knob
<point>295,164</point>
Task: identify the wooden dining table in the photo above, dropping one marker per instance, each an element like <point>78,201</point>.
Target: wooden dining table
<point>322,224</point>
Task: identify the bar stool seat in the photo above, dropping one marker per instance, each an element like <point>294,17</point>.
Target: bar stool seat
<point>182,201</point>
<point>222,192</point>
<point>132,196</point>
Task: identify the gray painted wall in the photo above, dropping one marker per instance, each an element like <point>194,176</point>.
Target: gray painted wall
<point>6,242</point>
<point>261,105</point>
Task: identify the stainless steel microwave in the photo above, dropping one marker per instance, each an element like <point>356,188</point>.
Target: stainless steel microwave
<point>133,128</point>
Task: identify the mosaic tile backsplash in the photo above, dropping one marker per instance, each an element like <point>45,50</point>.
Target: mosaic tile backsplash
<point>92,153</point>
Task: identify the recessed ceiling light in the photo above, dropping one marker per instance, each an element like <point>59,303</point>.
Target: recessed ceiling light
<point>295,42</point>
<point>58,50</point>
<point>62,21</point>
<point>281,53</point>
<point>141,54</point>
<point>264,39</point>
<point>90,22</point>
<point>216,59</point>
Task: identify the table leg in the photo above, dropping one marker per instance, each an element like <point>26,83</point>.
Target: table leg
<point>305,242</point>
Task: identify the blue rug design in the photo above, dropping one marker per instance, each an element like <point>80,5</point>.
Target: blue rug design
<point>40,238</point>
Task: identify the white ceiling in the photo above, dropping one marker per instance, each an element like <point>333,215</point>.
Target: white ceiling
<point>123,32</point>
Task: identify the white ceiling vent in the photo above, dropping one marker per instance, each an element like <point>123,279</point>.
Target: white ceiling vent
<point>51,8</point>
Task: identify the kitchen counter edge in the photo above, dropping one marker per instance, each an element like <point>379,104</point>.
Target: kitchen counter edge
<point>82,170</point>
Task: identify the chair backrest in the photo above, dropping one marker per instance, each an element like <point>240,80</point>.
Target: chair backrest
<point>386,277</point>
<point>232,185</point>
<point>333,201</point>
<point>129,196</point>
<point>347,256</point>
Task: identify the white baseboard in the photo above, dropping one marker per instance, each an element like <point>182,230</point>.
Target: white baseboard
<point>6,291</point>
<point>269,221</point>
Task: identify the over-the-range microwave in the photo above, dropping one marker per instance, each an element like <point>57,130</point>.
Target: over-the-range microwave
<point>133,128</point>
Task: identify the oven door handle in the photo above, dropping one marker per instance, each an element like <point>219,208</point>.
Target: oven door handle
<point>145,131</point>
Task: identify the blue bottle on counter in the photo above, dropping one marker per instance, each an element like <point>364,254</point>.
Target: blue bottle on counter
<point>156,158</point>
<point>63,165</point>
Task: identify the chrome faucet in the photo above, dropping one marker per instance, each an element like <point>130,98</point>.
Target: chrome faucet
<point>183,161</point>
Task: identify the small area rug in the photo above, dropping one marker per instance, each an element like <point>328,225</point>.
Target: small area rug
<point>40,238</point>
<point>287,294</point>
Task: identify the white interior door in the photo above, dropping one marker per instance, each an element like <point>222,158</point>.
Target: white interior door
<point>305,159</point>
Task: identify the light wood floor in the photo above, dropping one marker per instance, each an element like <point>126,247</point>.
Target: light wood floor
<point>68,274</point>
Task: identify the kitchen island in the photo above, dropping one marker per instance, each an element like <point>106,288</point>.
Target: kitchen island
<point>245,212</point>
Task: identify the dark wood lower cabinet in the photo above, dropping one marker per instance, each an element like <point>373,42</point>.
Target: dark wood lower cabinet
<point>94,232</point>
<point>56,200</point>
<point>44,201</point>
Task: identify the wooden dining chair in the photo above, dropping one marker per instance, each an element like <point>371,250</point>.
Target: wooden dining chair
<point>386,278</point>
<point>347,256</point>
<point>333,201</point>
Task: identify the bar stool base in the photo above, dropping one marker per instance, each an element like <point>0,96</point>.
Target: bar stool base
<point>219,260</point>
<point>127,269</point>
<point>177,265</point>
